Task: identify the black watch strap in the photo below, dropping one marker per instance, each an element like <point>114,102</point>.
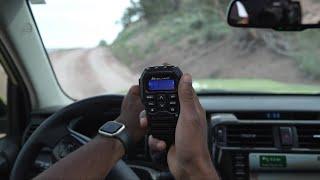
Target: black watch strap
<point>119,131</point>
<point>126,140</point>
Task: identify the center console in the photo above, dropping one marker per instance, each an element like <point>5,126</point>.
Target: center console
<point>270,148</point>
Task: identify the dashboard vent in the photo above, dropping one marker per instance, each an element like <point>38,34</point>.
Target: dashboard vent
<point>309,136</point>
<point>276,115</point>
<point>250,136</point>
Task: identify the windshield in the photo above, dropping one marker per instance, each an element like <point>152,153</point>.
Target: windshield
<point>101,47</point>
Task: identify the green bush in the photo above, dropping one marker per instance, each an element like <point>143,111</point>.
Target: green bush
<point>103,43</point>
<point>154,9</point>
<point>307,52</point>
<point>150,10</point>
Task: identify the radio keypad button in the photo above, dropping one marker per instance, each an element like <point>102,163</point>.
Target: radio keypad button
<point>150,97</point>
<point>162,105</point>
<point>161,101</point>
<point>172,96</point>
<point>161,98</point>
<point>172,109</point>
<point>151,103</point>
<point>240,173</point>
<point>173,103</point>
<point>153,110</point>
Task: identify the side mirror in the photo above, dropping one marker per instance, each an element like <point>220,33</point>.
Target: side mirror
<point>274,14</point>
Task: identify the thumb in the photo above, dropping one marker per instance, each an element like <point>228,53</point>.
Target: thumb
<point>186,93</point>
<point>172,160</point>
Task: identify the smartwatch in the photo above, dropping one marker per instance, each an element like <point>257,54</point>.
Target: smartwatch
<point>113,129</point>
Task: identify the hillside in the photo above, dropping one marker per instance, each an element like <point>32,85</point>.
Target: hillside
<point>207,47</point>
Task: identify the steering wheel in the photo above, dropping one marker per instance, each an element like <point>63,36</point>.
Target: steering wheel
<point>56,128</point>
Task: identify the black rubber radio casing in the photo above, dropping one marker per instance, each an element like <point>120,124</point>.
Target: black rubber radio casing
<point>159,94</point>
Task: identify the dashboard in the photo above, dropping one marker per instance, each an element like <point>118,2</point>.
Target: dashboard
<point>250,137</point>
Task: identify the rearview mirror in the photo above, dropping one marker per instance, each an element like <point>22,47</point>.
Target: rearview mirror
<point>275,14</point>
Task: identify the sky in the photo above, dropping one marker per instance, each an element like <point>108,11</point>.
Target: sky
<point>79,23</point>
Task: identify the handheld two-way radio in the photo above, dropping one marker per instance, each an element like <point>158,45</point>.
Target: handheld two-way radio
<point>159,93</point>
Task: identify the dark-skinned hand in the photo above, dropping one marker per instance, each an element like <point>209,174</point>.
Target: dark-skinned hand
<point>130,112</point>
<point>189,157</point>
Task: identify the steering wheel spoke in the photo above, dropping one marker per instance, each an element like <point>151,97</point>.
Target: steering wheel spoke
<point>67,145</point>
<point>80,138</point>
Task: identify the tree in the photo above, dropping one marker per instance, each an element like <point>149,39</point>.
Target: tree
<point>103,43</point>
<point>154,9</point>
<point>134,11</point>
<point>151,10</point>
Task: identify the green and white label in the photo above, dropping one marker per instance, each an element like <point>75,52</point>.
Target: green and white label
<point>273,161</point>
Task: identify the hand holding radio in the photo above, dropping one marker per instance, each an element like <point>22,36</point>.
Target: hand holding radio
<point>159,94</point>
<point>189,155</point>
<point>129,116</point>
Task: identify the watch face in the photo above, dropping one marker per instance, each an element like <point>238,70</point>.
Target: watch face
<point>111,127</point>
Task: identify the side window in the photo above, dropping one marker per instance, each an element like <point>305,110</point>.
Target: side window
<point>3,102</point>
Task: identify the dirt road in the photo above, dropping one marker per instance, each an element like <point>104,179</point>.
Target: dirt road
<point>311,11</point>
<point>88,72</point>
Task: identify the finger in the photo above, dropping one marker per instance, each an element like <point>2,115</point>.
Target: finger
<point>171,160</point>
<point>143,119</point>
<point>197,103</point>
<point>172,153</point>
<point>186,93</point>
<point>132,94</point>
<point>134,90</point>
<point>133,100</point>
<point>198,106</point>
<point>143,123</point>
<point>157,149</point>
<point>156,145</point>
<point>143,114</point>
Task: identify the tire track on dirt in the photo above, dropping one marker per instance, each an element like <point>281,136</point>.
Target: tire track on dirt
<point>84,73</point>
<point>110,73</point>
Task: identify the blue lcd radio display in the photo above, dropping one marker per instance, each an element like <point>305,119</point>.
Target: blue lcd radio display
<point>161,85</point>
